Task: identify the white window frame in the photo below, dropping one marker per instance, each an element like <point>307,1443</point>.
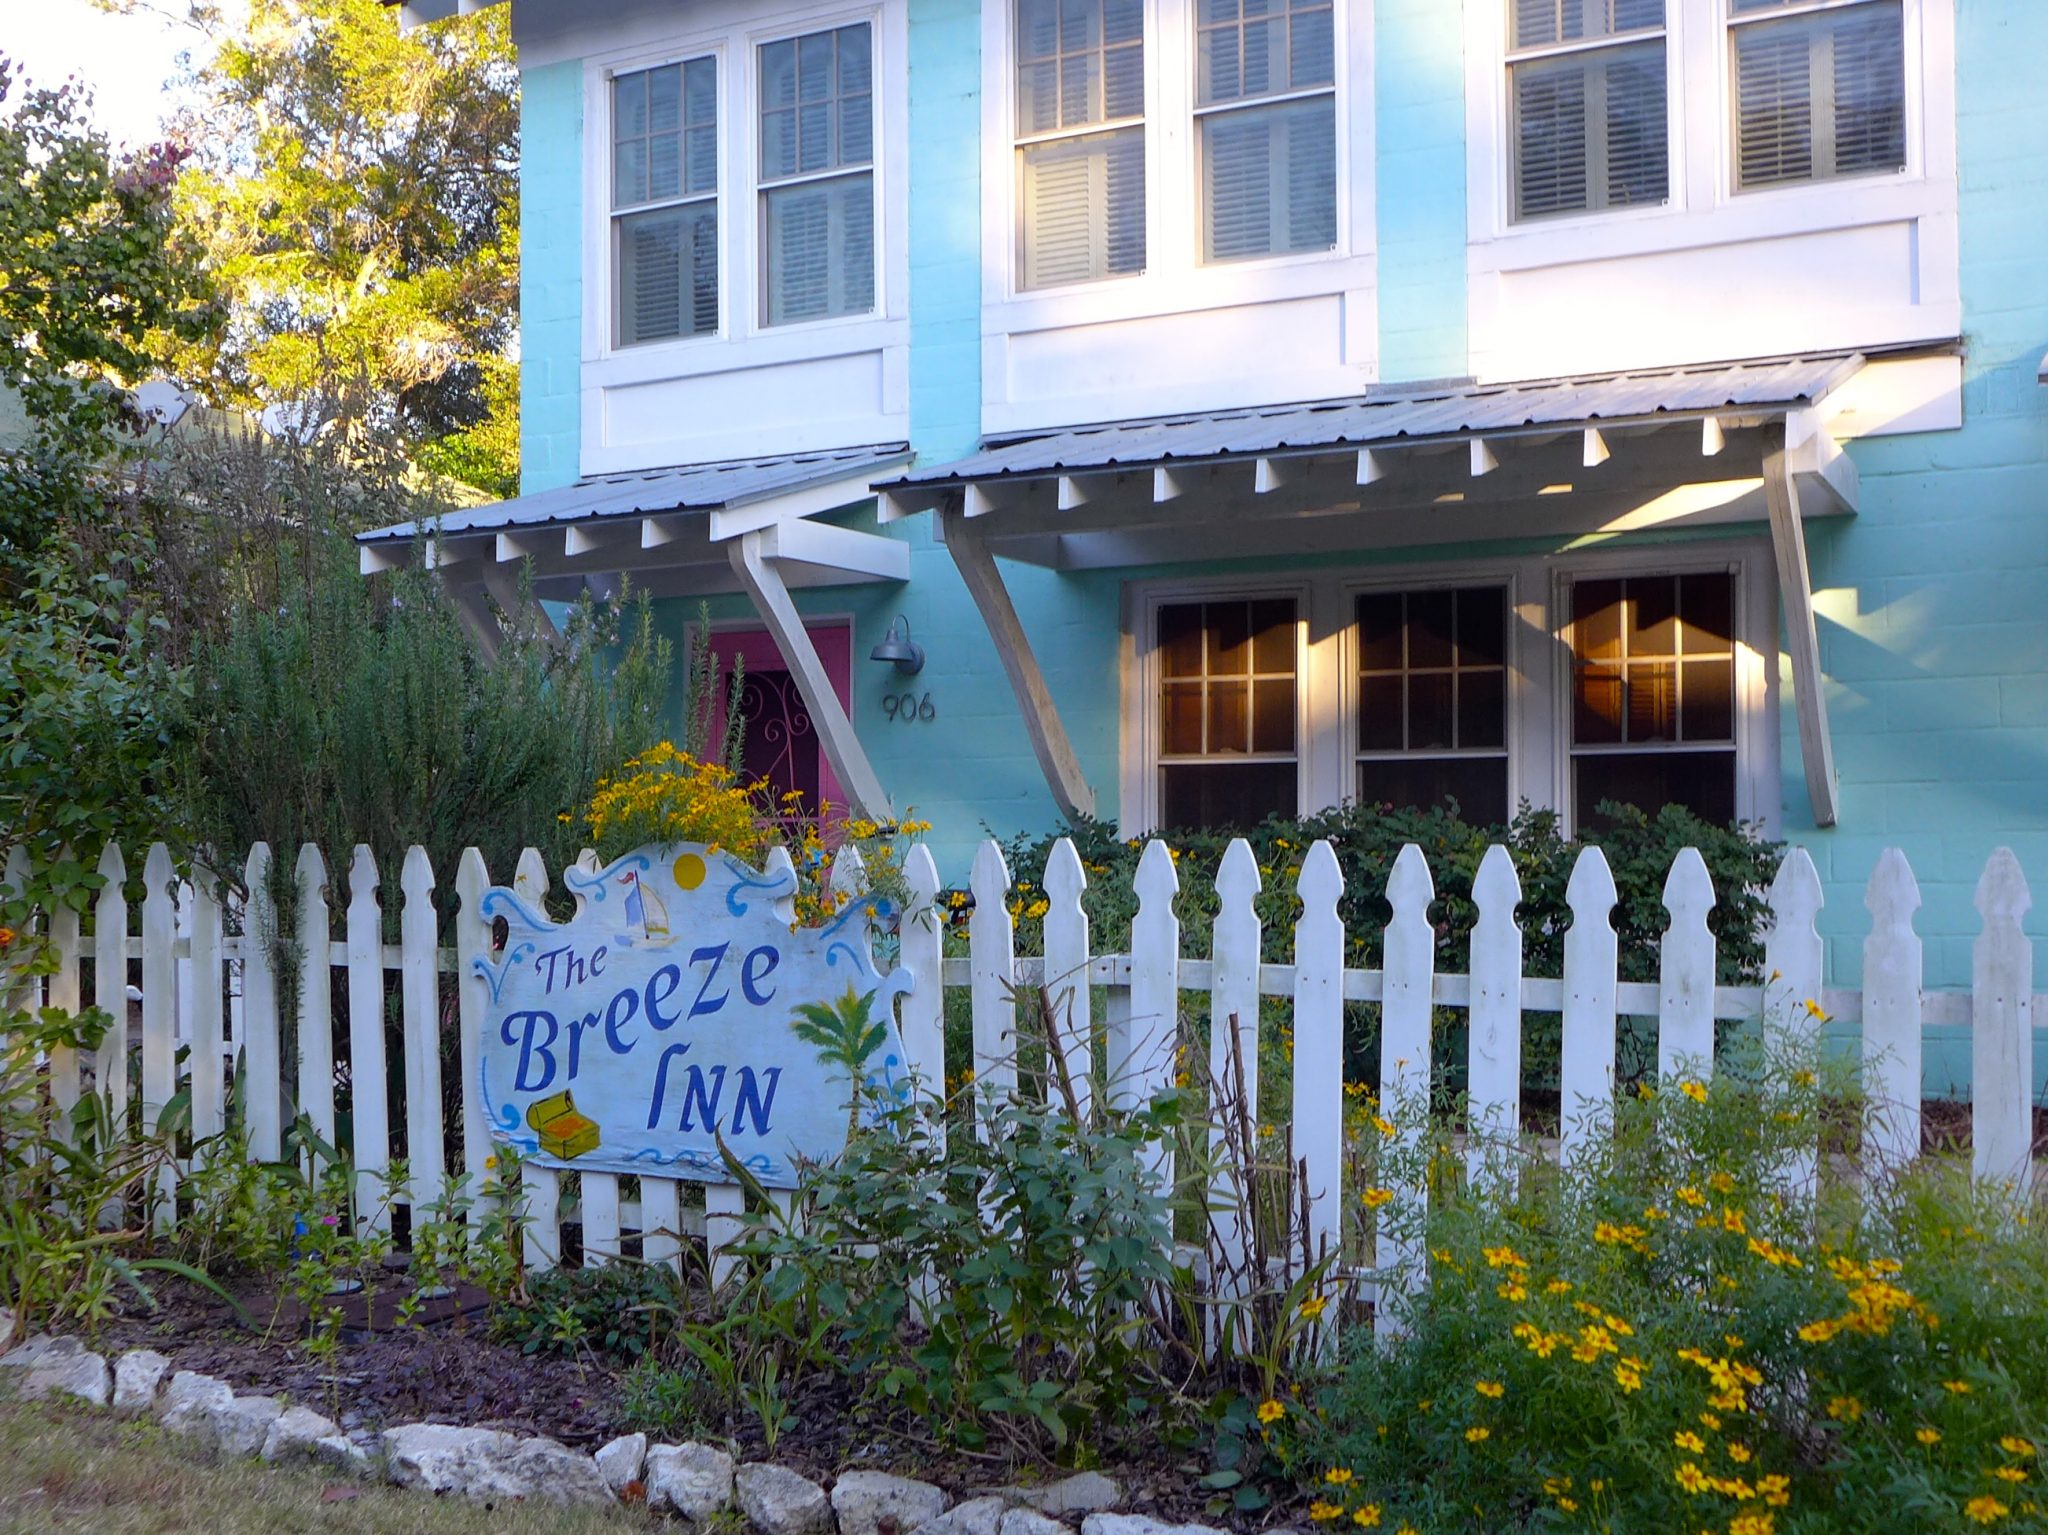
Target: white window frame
<point>1917,102</point>
<point>1176,281</point>
<point>601,118</point>
<point>1539,658</point>
<point>762,185</point>
<point>733,30</point>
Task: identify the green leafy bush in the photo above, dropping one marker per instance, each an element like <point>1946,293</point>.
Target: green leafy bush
<point>1677,1333</point>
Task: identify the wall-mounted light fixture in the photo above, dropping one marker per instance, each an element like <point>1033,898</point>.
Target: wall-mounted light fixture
<point>897,646</point>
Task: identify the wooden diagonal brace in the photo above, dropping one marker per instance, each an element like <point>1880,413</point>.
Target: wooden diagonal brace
<point>1795,589</point>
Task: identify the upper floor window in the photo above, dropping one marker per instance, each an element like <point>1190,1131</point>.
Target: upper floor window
<point>1587,105</point>
<point>665,201</point>
<point>1266,110</point>
<point>1080,139</point>
<point>817,175</point>
<point>1820,89</point>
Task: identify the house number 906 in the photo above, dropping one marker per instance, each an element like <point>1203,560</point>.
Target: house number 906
<point>905,707</point>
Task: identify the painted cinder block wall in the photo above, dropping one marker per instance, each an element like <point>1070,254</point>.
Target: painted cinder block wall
<point>1934,599</point>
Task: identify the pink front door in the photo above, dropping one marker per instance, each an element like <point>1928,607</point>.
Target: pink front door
<point>781,742</point>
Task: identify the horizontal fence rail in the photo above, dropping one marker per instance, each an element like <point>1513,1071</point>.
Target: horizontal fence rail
<point>188,969</point>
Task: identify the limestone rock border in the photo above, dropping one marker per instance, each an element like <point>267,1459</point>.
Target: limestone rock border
<point>695,1482</point>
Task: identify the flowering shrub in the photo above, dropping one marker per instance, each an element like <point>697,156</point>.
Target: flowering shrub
<point>667,795</point>
<point>1681,1333</point>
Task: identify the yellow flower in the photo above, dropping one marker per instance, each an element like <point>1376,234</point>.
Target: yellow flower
<point>1815,1011</point>
<point>1709,1420</point>
<point>1720,1183</point>
<point>1323,1512</point>
<point>1569,1505</point>
<point>1338,1476</point>
<point>1374,1198</point>
<point>490,1163</point>
<point>1477,1435</point>
<point>2012,1444</point>
<point>1628,1374</point>
<point>1512,1291</point>
<point>1986,1509</point>
<point>1694,1090</point>
<point>1686,1439</point>
<point>1691,1196</point>
<point>1956,1387</point>
<point>1271,1411</point>
<point>1752,1524</point>
<point>1739,1453</point>
<point>1366,1518</point>
<point>1382,1124</point>
<point>1489,1388</point>
<point>2010,1473</point>
<point>1775,1490</point>
<point>1313,1307</point>
<point>1844,1409</point>
<point>1691,1478</point>
<point>1927,1435</point>
<point>1558,1287</point>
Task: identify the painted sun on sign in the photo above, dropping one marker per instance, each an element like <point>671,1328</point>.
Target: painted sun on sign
<point>655,1023</point>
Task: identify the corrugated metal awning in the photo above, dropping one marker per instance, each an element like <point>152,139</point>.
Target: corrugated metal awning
<point>1648,395</point>
<point>711,487</point>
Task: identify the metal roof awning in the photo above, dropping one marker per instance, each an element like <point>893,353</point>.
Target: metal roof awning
<point>668,527</point>
<point>1478,459</point>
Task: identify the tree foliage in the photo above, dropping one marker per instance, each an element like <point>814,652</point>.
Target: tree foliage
<point>354,191</point>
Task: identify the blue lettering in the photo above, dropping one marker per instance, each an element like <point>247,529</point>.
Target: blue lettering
<point>661,1082</point>
<point>597,960</point>
<point>750,978</point>
<point>750,1093</point>
<point>532,1019</point>
<point>716,954</point>
<point>576,1028</point>
<point>572,971</point>
<point>655,998</point>
<point>548,959</point>
<point>706,1104</point>
<point>614,1020</point>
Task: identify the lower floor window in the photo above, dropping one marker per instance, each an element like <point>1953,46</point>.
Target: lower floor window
<point>1227,702</point>
<point>1572,686</point>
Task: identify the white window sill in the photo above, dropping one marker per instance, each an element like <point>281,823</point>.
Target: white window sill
<point>1153,294</point>
<point>695,356</point>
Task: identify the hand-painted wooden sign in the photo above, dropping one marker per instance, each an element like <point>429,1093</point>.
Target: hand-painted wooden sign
<point>656,1021</point>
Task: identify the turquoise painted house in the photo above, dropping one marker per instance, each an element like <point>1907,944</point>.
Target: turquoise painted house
<point>1173,411</point>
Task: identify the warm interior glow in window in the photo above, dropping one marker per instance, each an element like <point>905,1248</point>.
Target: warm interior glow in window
<point>1228,701</point>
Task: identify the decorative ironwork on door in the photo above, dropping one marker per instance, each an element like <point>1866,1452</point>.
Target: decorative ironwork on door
<point>781,741</point>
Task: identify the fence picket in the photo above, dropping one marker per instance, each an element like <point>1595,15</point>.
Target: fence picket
<point>472,943</point>
<point>922,1014</point>
<point>262,1067</point>
<point>1319,1056</point>
<point>1233,1066</point>
<point>1066,969</point>
<point>1685,972</point>
<point>420,1001</point>
<point>368,1074</point>
<point>600,1201</point>
<point>1409,983</point>
<point>316,996</point>
<point>2002,1027</point>
<point>1494,1048</point>
<point>991,935</point>
<point>1891,1010</point>
<point>110,981</point>
<point>1792,965</point>
<point>540,1188</point>
<point>848,876</point>
<point>1147,1061</point>
<point>777,863</point>
<point>160,1013</point>
<point>209,1098</point>
<point>1591,957</point>
<point>63,991</point>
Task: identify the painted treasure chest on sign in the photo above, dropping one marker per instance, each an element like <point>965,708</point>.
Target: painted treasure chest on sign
<point>655,1023</point>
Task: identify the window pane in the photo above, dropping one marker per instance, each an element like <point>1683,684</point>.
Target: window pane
<point>1430,711</point>
<point>1230,730</point>
<point>1707,604</point>
<point>1379,631</point>
<point>1596,620</point>
<point>1180,640</point>
<point>1216,796</point>
<point>629,172</point>
<point>1430,628</point>
<point>665,99</point>
<point>778,74</point>
<point>1230,638</point>
<point>1652,713</point>
<point>1482,709</point>
<point>700,93</point>
<point>665,165</point>
<point>1478,784</point>
<point>1870,92</point>
<point>1084,208</point>
<point>1703,782</point>
<point>1181,719</point>
<point>1709,713</point>
<point>1270,180</point>
<point>700,156</point>
<point>1273,715</point>
<point>629,105</point>
<point>668,273</point>
<point>1311,49</point>
<point>1774,105</point>
<point>857,130</point>
<point>820,249</point>
<point>1382,715</point>
<point>1272,623</point>
<point>1482,620</point>
<point>1590,131</point>
<point>1820,95</point>
<point>1652,617</point>
<point>856,65</point>
<point>1540,22</point>
<point>1597,710</point>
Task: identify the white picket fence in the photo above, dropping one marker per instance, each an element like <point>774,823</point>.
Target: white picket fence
<point>217,994</point>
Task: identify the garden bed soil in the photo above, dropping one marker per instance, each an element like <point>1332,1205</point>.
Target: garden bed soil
<point>447,1367</point>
